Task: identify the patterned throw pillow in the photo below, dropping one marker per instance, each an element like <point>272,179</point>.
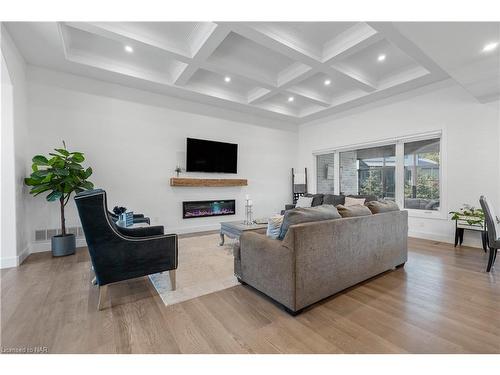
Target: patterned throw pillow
<point>274,226</point>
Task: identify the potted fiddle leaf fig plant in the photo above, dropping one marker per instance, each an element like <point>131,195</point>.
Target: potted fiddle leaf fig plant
<point>60,174</point>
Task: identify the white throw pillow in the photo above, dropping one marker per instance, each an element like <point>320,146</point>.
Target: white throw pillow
<point>304,202</point>
<point>353,201</point>
<point>274,226</point>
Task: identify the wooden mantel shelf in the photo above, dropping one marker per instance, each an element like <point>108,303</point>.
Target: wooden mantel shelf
<point>207,182</point>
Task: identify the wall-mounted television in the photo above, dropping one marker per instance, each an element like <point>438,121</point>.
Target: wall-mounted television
<point>211,156</point>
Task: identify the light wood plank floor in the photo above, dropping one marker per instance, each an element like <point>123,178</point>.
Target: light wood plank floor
<point>443,301</point>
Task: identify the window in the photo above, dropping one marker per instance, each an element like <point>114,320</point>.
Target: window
<point>408,171</point>
<point>369,171</point>
<point>325,173</point>
<point>421,161</point>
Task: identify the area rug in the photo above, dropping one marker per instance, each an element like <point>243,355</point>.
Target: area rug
<point>203,267</point>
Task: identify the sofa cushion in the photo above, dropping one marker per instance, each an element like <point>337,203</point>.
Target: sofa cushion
<point>350,201</point>
<point>333,199</point>
<point>304,202</point>
<point>353,211</point>
<point>306,215</point>
<point>378,207</point>
<point>317,199</point>
<point>368,197</point>
<point>274,226</point>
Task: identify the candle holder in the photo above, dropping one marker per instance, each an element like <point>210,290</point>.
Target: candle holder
<point>248,212</point>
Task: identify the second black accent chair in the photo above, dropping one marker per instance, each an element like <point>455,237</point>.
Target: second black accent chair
<point>118,253</point>
<point>493,230</point>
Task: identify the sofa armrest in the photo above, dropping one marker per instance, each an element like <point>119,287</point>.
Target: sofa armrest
<point>268,266</point>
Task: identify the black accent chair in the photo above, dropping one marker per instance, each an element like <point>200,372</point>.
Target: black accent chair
<point>122,253</point>
<point>138,218</point>
<point>492,230</point>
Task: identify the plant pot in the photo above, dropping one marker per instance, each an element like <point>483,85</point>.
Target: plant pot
<point>63,245</point>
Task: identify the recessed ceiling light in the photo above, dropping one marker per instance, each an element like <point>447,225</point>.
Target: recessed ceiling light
<point>129,49</point>
<point>490,46</point>
<point>327,82</point>
<point>381,57</point>
<point>291,98</point>
<point>227,79</point>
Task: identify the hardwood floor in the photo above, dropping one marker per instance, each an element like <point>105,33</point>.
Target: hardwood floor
<point>443,301</point>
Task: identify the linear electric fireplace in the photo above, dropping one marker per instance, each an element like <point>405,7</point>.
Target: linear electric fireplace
<point>194,209</point>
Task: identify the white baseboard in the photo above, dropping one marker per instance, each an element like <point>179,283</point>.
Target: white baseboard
<point>468,241</point>
<point>14,261</point>
<point>42,246</point>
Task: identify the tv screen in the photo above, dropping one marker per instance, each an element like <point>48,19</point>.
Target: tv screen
<point>211,156</point>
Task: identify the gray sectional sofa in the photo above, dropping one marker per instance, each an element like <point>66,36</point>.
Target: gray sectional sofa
<point>318,259</point>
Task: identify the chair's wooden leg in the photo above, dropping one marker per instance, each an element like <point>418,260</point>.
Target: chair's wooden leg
<point>171,274</point>
<point>491,258</point>
<point>103,296</point>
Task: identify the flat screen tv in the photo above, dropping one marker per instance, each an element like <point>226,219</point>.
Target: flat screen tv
<point>211,156</point>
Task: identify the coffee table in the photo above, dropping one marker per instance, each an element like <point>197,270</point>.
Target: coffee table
<point>234,229</point>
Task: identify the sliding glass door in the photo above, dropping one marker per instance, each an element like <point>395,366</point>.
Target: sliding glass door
<point>407,171</point>
<point>369,171</point>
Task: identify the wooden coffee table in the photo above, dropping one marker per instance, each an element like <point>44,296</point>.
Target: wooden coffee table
<point>234,229</point>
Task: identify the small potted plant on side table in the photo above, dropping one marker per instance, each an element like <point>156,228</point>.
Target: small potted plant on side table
<point>470,218</point>
<point>60,174</point>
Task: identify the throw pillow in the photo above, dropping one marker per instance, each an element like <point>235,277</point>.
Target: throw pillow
<point>317,199</point>
<point>306,215</point>
<point>274,226</point>
<point>304,202</point>
<point>353,201</point>
<point>353,211</point>
<point>378,207</point>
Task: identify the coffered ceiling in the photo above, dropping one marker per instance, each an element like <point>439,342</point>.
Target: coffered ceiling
<point>290,71</point>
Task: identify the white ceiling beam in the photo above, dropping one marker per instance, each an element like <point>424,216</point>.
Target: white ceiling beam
<point>212,41</point>
<point>350,41</point>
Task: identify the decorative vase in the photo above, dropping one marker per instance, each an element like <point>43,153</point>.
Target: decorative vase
<point>63,245</point>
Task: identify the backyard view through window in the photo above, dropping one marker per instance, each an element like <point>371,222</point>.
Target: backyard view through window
<point>369,171</point>
<point>372,171</point>
<point>422,174</point>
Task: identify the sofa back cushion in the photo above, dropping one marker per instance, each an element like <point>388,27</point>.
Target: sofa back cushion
<point>367,197</point>
<point>378,207</point>
<point>353,211</point>
<point>333,199</point>
<point>306,215</point>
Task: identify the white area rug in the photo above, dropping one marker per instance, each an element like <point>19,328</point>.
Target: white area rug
<point>204,267</point>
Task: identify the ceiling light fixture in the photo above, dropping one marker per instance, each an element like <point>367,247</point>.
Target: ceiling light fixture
<point>490,46</point>
<point>227,79</point>
<point>129,49</point>
<point>327,82</point>
<point>381,57</point>
<point>290,99</point>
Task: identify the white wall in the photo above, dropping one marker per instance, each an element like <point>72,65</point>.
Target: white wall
<point>133,148</point>
<point>14,242</point>
<point>470,136</point>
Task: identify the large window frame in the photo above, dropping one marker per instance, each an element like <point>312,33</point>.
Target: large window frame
<point>399,174</point>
